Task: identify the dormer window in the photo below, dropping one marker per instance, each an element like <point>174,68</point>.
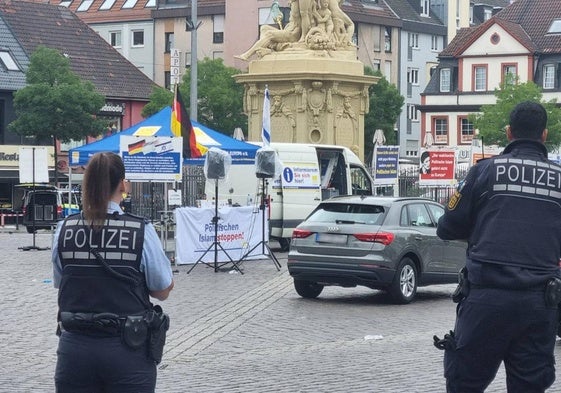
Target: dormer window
<point>425,7</point>
<point>8,61</point>
<point>445,81</point>
<point>555,27</point>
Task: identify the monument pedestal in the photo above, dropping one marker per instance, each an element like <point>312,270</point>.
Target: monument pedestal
<point>317,97</point>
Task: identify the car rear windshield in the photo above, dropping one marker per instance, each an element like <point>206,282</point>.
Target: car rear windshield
<point>348,214</point>
<point>43,198</point>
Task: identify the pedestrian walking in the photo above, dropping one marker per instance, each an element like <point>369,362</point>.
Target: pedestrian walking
<point>107,264</point>
<point>509,210</point>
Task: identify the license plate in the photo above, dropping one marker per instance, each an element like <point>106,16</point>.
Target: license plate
<point>331,238</point>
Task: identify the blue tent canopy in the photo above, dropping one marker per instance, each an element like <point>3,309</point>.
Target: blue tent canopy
<point>159,125</point>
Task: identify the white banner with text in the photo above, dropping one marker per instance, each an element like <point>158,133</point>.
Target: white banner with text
<point>238,231</point>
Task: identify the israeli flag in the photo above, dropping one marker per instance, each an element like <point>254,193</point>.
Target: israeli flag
<point>266,130</point>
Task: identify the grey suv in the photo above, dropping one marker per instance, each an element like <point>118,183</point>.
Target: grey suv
<point>377,242</point>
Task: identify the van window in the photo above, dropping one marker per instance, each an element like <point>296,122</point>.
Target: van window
<point>362,185</point>
<point>332,171</point>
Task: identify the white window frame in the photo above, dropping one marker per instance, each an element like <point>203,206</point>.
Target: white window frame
<point>441,130</point>
<point>548,76</point>
<point>425,7</point>
<point>412,112</point>
<point>107,5</point>
<point>466,130</point>
<point>510,69</point>
<point>445,80</point>
<point>129,4</point>
<point>84,5</point>
<point>8,61</point>
<point>434,42</point>
<point>116,34</point>
<point>132,38</point>
<point>555,27</point>
<point>414,40</point>
<point>480,78</point>
<point>413,76</point>
<point>150,4</point>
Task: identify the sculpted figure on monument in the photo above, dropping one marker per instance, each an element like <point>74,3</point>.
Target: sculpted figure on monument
<point>273,39</point>
<point>313,24</point>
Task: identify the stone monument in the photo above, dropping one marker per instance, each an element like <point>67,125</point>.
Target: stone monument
<point>317,87</point>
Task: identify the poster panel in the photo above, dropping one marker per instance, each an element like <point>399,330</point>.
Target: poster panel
<point>33,167</point>
<point>437,167</point>
<point>152,158</point>
<point>239,230</point>
<point>386,165</point>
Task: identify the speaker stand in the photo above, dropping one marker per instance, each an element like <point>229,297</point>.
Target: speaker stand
<point>216,244</point>
<point>263,243</point>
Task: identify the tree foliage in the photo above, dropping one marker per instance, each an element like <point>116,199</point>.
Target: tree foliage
<point>385,107</point>
<point>56,103</point>
<point>220,103</point>
<point>220,98</point>
<point>492,119</point>
<point>159,99</point>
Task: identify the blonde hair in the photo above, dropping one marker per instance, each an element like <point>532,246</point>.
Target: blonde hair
<point>102,177</point>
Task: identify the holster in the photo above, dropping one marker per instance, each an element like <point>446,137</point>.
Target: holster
<point>158,323</point>
<point>462,290</point>
<point>135,331</point>
<point>553,292</point>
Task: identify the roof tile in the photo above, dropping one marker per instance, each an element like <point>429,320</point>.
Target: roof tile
<point>91,57</point>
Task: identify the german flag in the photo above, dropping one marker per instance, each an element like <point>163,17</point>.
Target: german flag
<point>181,126</point>
<point>135,148</point>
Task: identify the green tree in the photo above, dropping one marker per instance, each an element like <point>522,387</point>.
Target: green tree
<point>385,107</point>
<point>492,119</point>
<point>159,99</point>
<point>220,98</point>
<point>56,104</point>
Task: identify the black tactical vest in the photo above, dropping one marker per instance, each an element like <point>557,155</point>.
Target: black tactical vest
<point>86,285</point>
<point>521,188</point>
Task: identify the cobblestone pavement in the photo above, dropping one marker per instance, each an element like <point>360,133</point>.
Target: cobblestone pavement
<point>243,333</point>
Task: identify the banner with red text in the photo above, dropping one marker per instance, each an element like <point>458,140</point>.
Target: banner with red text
<point>239,230</point>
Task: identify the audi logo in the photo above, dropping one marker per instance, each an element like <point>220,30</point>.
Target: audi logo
<point>333,229</point>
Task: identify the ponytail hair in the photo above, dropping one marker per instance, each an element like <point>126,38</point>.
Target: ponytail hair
<point>102,177</point>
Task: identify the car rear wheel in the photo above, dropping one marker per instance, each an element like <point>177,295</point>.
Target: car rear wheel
<point>30,229</point>
<point>404,286</point>
<point>307,289</point>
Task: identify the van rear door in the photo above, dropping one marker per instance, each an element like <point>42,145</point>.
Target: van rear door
<point>298,193</point>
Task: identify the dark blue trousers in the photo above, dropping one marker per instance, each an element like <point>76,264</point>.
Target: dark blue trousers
<point>494,326</point>
<point>102,365</point>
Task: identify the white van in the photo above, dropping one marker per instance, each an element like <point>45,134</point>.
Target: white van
<point>310,174</point>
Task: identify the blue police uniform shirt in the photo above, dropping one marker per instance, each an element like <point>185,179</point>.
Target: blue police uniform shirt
<point>154,263</point>
<point>508,209</point>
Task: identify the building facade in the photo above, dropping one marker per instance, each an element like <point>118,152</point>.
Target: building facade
<point>524,40</point>
<point>26,25</point>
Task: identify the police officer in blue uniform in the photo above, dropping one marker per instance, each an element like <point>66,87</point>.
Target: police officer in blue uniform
<point>509,210</point>
<point>107,265</point>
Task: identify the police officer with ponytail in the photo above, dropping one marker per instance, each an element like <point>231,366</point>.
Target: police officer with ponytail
<point>509,211</point>
<point>107,264</point>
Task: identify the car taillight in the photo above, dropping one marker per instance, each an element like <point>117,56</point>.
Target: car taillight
<point>300,233</point>
<point>24,210</point>
<point>381,237</point>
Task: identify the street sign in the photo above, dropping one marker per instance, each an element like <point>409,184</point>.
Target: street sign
<point>174,67</point>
